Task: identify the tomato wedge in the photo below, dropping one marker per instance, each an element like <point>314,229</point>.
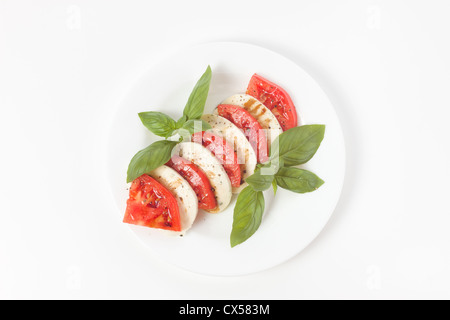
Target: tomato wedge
<point>223,151</point>
<point>197,179</point>
<point>252,129</point>
<point>152,205</point>
<point>274,98</point>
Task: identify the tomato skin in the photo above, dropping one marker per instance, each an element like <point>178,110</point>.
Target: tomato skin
<point>252,129</point>
<point>222,151</point>
<point>152,205</point>
<point>275,98</point>
<point>197,179</point>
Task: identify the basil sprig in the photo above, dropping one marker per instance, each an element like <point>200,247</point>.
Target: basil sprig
<point>293,147</point>
<point>162,125</point>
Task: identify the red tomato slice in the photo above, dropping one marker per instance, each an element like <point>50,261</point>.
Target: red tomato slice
<point>152,205</point>
<point>274,98</point>
<point>197,179</point>
<point>252,129</point>
<point>222,151</point>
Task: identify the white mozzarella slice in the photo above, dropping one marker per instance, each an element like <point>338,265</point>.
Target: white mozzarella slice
<point>183,192</point>
<point>214,170</point>
<point>260,112</point>
<point>237,139</point>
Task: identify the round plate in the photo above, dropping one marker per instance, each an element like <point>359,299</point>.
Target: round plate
<point>291,221</point>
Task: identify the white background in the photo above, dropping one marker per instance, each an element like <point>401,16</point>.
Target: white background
<point>65,64</point>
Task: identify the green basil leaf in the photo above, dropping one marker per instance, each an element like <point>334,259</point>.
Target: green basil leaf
<point>297,145</point>
<point>247,216</point>
<point>197,100</point>
<point>152,157</point>
<point>274,186</point>
<point>298,180</point>
<point>260,181</point>
<point>196,125</point>
<point>159,123</point>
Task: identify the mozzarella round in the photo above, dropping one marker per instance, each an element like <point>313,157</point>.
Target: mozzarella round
<point>213,169</point>
<point>236,138</point>
<point>183,192</point>
<point>260,112</point>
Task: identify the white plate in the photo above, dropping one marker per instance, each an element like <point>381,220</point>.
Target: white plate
<point>291,221</point>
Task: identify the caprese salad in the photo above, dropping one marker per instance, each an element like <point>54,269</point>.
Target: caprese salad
<point>248,144</point>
